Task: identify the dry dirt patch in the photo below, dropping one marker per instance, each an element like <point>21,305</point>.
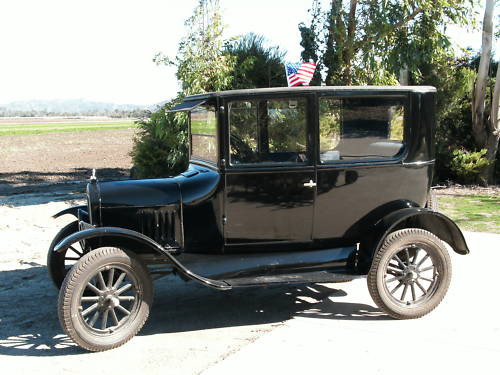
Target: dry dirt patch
<point>55,157</point>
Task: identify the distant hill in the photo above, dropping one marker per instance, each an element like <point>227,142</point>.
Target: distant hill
<point>69,107</point>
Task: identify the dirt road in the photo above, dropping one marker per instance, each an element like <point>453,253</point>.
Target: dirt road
<point>192,329</point>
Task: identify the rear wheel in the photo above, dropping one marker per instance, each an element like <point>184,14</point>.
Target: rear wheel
<point>105,299</point>
<point>410,274</point>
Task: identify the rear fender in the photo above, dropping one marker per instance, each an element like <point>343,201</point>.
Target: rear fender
<point>434,222</point>
<point>137,238</point>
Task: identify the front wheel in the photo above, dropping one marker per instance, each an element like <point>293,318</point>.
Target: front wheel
<point>105,299</point>
<point>410,274</point>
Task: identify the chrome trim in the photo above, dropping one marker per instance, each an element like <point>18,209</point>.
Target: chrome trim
<point>418,164</point>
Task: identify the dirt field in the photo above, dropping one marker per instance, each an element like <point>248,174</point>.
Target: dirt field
<point>36,159</point>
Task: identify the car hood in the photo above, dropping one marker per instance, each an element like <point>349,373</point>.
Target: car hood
<point>190,187</point>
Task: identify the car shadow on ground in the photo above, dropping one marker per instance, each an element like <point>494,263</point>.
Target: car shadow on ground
<point>29,323</point>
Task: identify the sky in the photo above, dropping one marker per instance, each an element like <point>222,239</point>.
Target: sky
<point>102,50</point>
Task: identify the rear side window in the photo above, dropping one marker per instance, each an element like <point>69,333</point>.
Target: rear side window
<point>270,131</point>
<point>360,128</point>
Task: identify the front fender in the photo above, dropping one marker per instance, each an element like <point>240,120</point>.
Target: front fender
<point>144,240</point>
<point>414,217</point>
<point>74,211</point>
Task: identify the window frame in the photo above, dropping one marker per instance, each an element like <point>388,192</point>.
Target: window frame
<point>310,138</point>
<point>364,161</point>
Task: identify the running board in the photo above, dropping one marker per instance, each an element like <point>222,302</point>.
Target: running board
<point>298,278</point>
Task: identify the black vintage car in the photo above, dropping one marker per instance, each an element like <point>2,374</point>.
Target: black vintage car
<point>284,185</point>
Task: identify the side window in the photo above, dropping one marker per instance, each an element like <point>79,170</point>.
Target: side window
<point>243,131</point>
<point>203,124</point>
<point>268,131</point>
<point>360,128</point>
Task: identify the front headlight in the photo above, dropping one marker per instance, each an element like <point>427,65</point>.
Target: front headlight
<point>93,197</point>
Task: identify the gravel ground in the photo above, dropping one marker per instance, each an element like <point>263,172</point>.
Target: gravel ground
<point>468,190</point>
<point>193,329</point>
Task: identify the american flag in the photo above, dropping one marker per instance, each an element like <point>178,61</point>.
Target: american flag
<point>299,73</point>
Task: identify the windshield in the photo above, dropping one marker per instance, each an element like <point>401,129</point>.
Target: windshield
<point>203,124</point>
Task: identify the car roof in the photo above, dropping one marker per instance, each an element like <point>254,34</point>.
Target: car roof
<point>309,89</point>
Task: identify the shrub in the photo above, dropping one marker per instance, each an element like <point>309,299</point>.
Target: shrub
<point>467,164</point>
<point>160,147</point>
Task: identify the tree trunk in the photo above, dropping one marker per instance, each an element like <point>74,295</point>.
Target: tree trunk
<point>487,175</point>
<point>478,97</point>
<point>484,129</point>
<point>493,130</point>
<point>350,47</point>
<point>333,55</point>
<point>403,76</point>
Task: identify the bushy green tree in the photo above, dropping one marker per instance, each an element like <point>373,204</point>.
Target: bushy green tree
<point>255,64</point>
<point>310,43</point>
<point>160,147</point>
<point>370,42</point>
<point>468,166</point>
<point>202,65</point>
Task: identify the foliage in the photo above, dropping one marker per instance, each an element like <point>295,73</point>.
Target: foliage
<point>468,165</point>
<point>309,36</point>
<point>160,146</point>
<point>368,42</point>
<point>453,79</point>
<point>256,65</point>
<point>330,123</point>
<point>202,65</point>
<point>286,124</point>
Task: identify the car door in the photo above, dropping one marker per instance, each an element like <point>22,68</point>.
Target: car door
<point>361,148</point>
<point>270,177</point>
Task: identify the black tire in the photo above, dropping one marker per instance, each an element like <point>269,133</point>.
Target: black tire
<point>432,201</point>
<point>58,264</point>
<point>400,263</point>
<point>103,312</point>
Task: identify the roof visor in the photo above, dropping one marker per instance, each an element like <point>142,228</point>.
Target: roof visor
<point>187,106</point>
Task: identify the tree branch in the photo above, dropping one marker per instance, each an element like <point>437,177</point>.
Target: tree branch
<point>394,27</point>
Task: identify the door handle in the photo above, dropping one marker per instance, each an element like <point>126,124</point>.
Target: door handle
<point>310,184</point>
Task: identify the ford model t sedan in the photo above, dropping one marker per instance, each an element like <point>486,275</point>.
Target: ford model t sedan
<point>284,186</point>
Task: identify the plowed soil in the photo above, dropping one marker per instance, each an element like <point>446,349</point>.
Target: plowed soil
<point>35,160</point>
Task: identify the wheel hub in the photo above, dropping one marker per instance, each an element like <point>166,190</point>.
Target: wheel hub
<point>410,275</point>
<point>112,301</point>
<point>109,300</point>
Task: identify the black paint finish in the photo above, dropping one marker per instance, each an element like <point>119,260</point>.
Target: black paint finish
<point>269,206</point>
<point>260,220</point>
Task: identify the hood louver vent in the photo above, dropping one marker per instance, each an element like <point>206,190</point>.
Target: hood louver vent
<point>162,225</point>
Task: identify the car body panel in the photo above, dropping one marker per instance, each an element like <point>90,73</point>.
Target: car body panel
<point>248,215</point>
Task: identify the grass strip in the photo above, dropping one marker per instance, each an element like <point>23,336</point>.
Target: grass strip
<point>64,130</point>
<point>476,213</point>
<point>62,124</point>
